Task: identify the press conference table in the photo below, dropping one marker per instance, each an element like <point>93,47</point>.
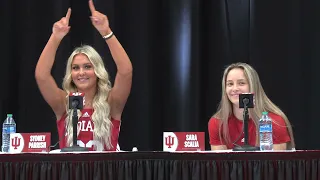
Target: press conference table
<point>293,165</point>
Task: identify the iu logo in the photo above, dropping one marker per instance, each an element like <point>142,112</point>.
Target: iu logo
<point>16,143</point>
<point>170,141</point>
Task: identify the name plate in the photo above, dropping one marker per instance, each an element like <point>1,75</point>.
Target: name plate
<point>29,142</point>
<point>183,141</point>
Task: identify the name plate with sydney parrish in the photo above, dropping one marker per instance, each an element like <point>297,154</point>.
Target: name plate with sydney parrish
<point>183,141</point>
<point>29,142</point>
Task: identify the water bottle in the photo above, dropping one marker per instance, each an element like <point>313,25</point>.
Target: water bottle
<point>8,127</point>
<point>265,131</point>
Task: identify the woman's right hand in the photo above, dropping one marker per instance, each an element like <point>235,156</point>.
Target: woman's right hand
<point>61,27</point>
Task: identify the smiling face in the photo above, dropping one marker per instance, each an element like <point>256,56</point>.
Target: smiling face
<point>82,73</point>
<point>236,83</point>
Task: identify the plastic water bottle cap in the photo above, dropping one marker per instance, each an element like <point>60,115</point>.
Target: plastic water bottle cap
<point>134,149</point>
<point>9,115</point>
<point>264,113</point>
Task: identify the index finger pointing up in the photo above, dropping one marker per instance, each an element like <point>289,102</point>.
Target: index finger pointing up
<point>91,6</point>
<point>68,14</point>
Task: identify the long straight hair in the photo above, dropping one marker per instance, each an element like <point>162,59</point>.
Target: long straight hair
<point>262,103</point>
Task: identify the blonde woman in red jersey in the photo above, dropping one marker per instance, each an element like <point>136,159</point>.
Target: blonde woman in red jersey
<point>225,127</point>
<point>99,121</point>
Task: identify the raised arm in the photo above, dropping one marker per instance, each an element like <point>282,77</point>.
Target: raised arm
<point>52,94</point>
<point>122,85</point>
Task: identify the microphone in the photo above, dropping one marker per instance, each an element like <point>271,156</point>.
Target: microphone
<point>245,102</point>
<point>76,101</point>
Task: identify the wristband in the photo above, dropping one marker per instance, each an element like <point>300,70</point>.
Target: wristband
<point>108,36</point>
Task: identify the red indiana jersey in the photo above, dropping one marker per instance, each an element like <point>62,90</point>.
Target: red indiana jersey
<point>280,133</point>
<point>86,126</point>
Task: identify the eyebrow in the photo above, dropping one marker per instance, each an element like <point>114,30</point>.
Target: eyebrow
<point>237,80</point>
<point>82,64</point>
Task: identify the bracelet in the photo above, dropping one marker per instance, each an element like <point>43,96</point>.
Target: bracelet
<point>108,36</point>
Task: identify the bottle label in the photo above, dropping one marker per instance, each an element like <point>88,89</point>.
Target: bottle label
<point>4,130</point>
<point>266,128</point>
<point>12,129</point>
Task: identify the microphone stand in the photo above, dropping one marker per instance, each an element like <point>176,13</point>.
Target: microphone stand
<point>75,147</point>
<point>246,146</point>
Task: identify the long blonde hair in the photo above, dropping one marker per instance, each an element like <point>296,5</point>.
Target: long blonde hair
<point>262,103</point>
<point>101,114</point>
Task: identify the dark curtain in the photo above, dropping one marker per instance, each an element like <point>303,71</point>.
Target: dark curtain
<point>179,50</point>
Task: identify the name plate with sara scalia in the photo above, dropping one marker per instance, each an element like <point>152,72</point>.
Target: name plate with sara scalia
<point>183,141</point>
